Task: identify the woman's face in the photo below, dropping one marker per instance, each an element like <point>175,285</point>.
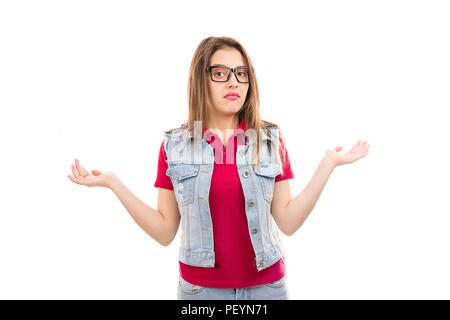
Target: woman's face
<point>217,90</point>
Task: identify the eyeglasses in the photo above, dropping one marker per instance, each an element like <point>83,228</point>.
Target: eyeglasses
<point>223,73</point>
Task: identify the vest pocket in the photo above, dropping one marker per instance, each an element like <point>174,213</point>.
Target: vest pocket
<point>183,178</point>
<point>266,173</point>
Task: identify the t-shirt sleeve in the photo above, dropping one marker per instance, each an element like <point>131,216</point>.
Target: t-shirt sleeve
<point>162,180</point>
<point>287,171</point>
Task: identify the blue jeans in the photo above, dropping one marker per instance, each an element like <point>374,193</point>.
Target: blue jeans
<point>276,290</point>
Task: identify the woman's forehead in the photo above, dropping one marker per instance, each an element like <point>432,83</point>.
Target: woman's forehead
<point>227,57</point>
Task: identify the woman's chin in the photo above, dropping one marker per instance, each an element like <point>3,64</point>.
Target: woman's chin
<point>228,108</point>
<point>232,108</point>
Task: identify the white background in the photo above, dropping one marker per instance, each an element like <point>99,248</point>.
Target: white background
<point>100,80</point>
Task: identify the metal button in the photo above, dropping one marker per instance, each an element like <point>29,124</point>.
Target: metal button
<point>242,152</point>
<point>255,230</point>
<point>262,264</point>
<point>251,203</point>
<point>245,174</point>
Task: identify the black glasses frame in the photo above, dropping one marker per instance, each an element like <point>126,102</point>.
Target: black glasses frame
<point>233,70</point>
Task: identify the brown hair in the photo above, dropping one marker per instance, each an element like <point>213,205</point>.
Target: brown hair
<point>198,92</point>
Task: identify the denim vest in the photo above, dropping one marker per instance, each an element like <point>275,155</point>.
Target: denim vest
<point>190,167</point>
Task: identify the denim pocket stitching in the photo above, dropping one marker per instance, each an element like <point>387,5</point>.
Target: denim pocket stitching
<point>266,173</point>
<point>195,289</point>
<point>183,181</point>
<point>276,284</point>
<point>267,187</point>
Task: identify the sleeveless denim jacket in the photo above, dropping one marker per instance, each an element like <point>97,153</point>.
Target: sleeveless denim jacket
<point>190,167</point>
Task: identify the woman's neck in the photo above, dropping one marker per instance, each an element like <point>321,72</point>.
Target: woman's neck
<point>223,123</point>
<point>220,125</point>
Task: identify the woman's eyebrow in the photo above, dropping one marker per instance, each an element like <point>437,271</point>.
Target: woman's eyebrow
<point>223,65</point>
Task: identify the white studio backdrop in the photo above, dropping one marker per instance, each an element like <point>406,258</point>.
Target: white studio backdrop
<point>100,80</point>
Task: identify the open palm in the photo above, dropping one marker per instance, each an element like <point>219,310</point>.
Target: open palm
<point>83,177</point>
<point>358,151</point>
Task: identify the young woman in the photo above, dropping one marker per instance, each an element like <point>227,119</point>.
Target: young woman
<point>224,176</point>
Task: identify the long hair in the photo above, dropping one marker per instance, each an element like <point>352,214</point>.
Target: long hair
<point>198,92</point>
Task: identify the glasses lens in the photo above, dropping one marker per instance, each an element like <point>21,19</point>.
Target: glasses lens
<point>242,74</point>
<point>219,73</point>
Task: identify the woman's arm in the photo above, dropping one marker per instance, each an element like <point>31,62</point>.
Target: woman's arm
<point>289,214</point>
<point>162,224</point>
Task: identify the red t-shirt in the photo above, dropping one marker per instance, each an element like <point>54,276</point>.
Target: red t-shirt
<point>234,256</point>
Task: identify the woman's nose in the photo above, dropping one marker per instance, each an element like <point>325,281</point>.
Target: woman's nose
<point>233,81</point>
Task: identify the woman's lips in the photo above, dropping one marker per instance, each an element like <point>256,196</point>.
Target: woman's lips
<point>232,97</point>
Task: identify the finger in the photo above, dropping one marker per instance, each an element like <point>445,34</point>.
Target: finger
<point>73,179</point>
<point>83,172</point>
<point>355,147</point>
<point>80,181</point>
<point>74,171</point>
<point>363,146</point>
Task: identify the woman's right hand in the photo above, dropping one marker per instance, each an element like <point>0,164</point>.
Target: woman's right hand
<point>97,179</point>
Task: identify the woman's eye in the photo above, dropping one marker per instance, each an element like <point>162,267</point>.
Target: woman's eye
<point>217,73</point>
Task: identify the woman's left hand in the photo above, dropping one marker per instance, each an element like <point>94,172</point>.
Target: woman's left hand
<point>359,150</point>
